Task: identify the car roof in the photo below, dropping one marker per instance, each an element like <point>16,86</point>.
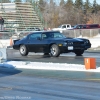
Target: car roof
<point>44,32</point>
<point>87,24</point>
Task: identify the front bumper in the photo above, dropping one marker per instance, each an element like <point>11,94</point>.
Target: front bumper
<point>73,48</point>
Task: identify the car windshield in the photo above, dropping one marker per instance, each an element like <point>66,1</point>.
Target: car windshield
<point>59,26</point>
<point>55,35</point>
<point>78,27</point>
<point>75,26</point>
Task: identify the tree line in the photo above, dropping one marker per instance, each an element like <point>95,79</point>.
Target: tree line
<point>69,12</point>
<point>66,12</point>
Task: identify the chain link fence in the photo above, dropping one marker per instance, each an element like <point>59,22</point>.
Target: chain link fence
<point>81,32</point>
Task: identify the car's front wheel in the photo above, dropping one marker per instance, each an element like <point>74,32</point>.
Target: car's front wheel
<point>23,50</point>
<point>79,52</point>
<point>54,50</point>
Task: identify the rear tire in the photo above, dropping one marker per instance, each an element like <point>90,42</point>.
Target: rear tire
<point>54,50</point>
<point>23,50</point>
<point>79,52</point>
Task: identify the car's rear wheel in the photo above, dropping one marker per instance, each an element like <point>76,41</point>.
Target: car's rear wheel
<point>54,50</point>
<point>23,50</point>
<point>79,52</point>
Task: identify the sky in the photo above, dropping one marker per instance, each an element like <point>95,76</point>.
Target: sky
<point>91,1</point>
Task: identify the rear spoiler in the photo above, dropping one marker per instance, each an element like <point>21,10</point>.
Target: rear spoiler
<point>14,41</point>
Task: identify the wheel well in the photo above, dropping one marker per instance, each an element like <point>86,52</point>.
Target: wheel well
<point>51,44</point>
<point>20,45</point>
<point>23,44</point>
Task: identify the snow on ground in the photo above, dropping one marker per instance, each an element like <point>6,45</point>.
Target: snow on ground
<point>4,43</point>
<point>46,66</point>
<point>94,40</point>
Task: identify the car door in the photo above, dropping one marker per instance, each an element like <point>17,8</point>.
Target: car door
<point>34,42</point>
<point>37,43</point>
<point>45,42</point>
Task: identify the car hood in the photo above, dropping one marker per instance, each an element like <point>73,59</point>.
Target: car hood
<point>74,39</point>
<point>70,39</point>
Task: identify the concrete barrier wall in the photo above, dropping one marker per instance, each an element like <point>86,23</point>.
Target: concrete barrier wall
<point>81,32</point>
<point>3,54</point>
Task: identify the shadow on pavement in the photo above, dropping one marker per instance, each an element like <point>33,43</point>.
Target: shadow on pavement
<point>7,69</point>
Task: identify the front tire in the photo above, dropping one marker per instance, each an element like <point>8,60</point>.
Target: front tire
<point>54,50</point>
<point>79,52</point>
<point>23,50</point>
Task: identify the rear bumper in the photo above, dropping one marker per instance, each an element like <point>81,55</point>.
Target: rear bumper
<point>16,47</point>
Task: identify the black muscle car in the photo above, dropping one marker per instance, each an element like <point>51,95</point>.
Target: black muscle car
<point>51,43</point>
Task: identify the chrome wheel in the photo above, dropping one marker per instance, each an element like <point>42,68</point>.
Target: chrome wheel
<point>54,50</point>
<point>23,50</point>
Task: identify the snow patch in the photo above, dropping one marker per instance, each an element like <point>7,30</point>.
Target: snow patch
<point>47,66</point>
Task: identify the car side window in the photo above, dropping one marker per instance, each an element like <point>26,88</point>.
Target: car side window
<point>64,26</point>
<point>57,35</point>
<point>44,36</point>
<point>68,26</point>
<point>84,26</point>
<point>34,36</point>
<point>80,27</point>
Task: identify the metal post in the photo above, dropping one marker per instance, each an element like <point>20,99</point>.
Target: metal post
<point>98,31</point>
